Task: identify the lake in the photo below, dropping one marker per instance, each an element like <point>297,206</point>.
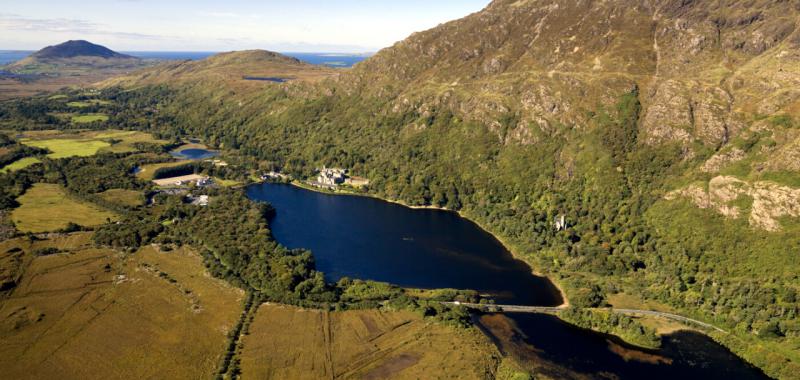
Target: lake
<point>367,238</point>
<point>194,154</point>
<point>372,239</point>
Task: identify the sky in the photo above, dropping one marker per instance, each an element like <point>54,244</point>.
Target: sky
<point>341,26</point>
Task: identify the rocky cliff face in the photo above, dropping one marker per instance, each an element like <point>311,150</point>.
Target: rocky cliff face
<point>765,202</point>
<point>704,69</point>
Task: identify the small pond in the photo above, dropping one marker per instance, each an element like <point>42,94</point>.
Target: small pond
<point>194,154</point>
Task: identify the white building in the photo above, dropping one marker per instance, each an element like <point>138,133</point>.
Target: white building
<point>205,181</point>
<point>331,176</point>
<point>200,200</point>
<point>560,223</point>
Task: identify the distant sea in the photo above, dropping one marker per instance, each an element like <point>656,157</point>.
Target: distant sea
<point>328,59</point>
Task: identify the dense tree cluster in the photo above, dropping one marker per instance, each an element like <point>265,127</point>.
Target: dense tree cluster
<point>620,325</point>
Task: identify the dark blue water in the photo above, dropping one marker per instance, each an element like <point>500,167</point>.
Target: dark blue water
<point>328,59</point>
<point>194,154</point>
<point>9,56</point>
<point>371,239</point>
<point>562,351</point>
<point>267,79</point>
<point>368,238</point>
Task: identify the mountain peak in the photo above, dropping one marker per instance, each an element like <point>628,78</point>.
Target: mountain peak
<point>78,48</point>
<point>251,56</point>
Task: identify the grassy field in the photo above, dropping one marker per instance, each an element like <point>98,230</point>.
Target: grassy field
<point>88,143</point>
<point>87,103</point>
<point>292,343</point>
<point>148,171</point>
<point>125,140</point>
<point>46,207</point>
<point>226,182</point>
<point>65,147</point>
<point>123,197</point>
<point>89,118</point>
<point>20,164</point>
<point>95,314</point>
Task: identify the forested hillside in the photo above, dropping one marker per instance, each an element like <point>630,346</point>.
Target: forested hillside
<point>667,132</point>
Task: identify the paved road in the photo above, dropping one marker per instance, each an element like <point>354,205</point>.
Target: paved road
<point>556,310</point>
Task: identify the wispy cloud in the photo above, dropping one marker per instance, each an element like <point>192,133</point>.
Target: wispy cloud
<point>229,15</point>
<point>66,25</point>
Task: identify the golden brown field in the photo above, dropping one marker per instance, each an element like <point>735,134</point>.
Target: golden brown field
<point>293,343</point>
<point>47,207</point>
<point>123,197</point>
<point>96,314</point>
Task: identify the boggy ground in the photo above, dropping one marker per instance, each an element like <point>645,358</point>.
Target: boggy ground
<point>93,313</point>
<point>293,343</point>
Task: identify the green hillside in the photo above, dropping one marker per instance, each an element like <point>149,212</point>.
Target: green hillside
<point>667,134</point>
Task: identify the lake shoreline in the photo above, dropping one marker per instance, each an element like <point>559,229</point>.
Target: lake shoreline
<point>564,299</point>
<point>288,199</point>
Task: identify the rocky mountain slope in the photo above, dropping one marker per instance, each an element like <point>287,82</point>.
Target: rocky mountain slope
<point>665,131</point>
<point>704,69</point>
